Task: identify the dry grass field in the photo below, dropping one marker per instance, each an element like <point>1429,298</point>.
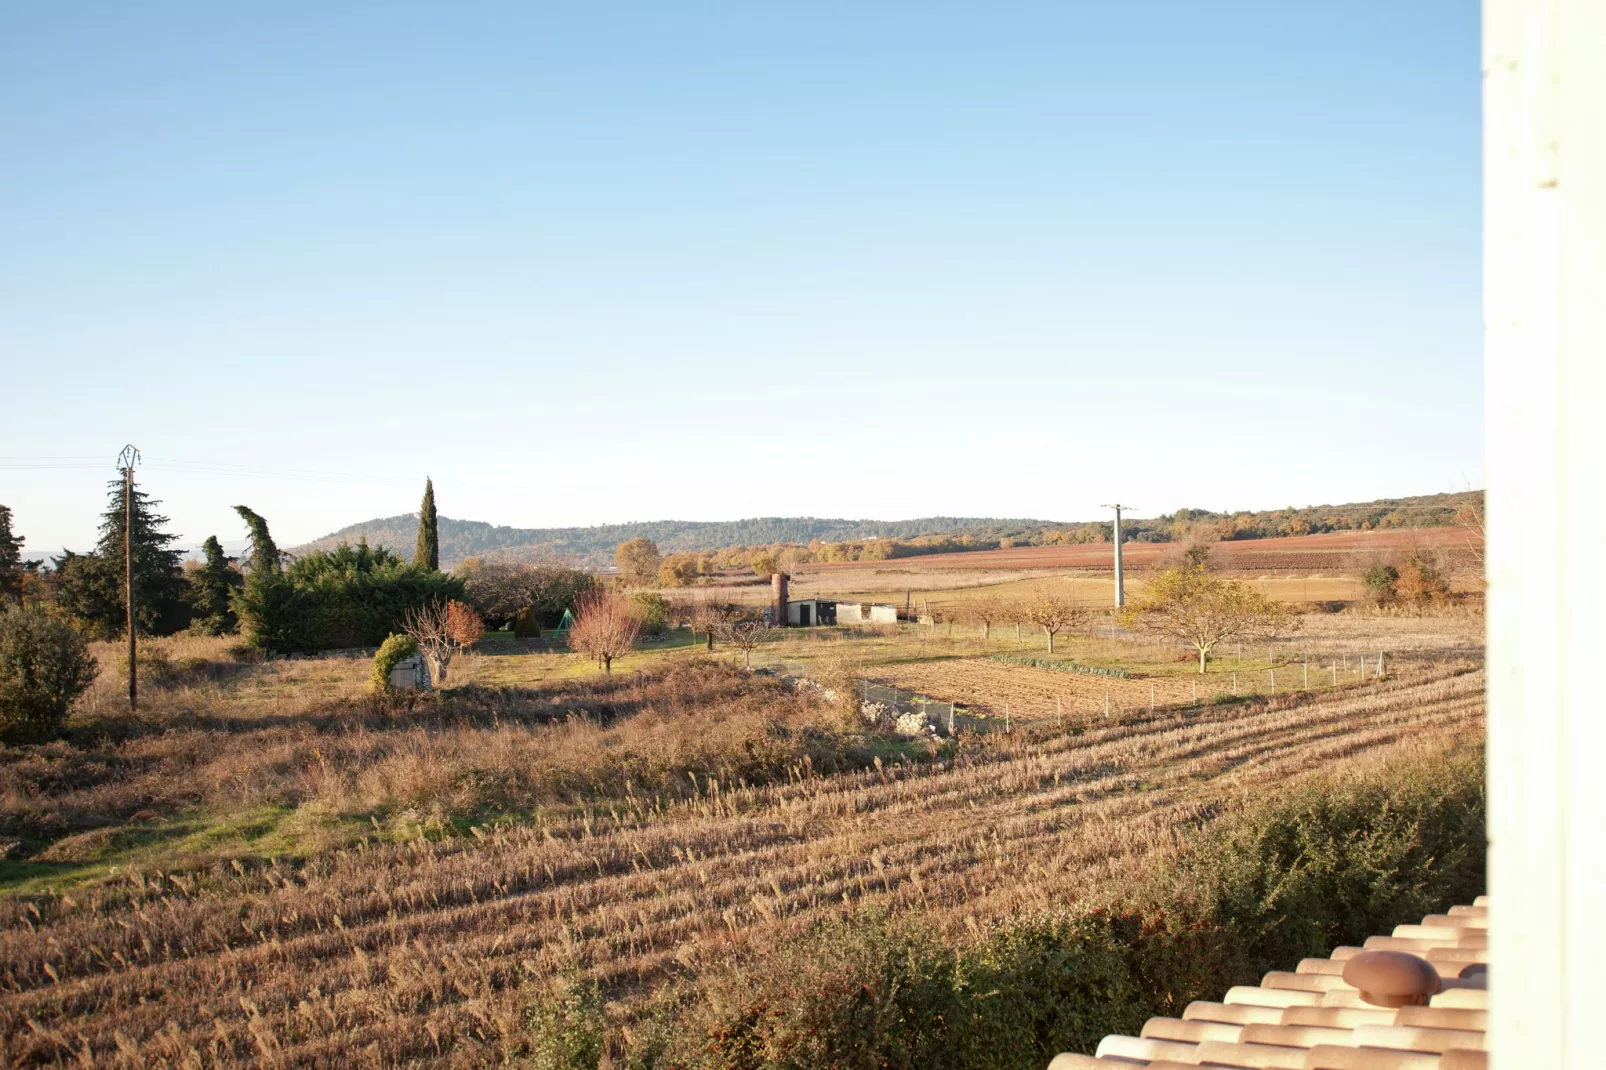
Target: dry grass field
<point>266,866</point>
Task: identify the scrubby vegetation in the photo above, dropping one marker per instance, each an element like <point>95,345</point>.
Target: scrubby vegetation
<point>44,667</point>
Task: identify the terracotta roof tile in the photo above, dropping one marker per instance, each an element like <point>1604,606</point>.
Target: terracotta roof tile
<point>1312,1019</point>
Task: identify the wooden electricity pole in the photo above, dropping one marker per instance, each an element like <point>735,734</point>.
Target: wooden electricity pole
<point>126,461</point>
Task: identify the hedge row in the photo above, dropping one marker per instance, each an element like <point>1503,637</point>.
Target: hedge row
<point>1062,666</point>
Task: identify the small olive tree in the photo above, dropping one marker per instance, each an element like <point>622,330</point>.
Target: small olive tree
<point>1197,607</point>
<point>44,666</point>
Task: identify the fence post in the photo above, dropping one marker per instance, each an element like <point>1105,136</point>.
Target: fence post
<point>1307,674</point>
<point>1106,704</point>
<point>1196,692</point>
<point>1335,675</point>
<point>1380,664</point>
<point>1151,698</point>
<point>1234,683</point>
<point>1273,680</point>
<point>1059,713</point>
<point>1008,724</point>
<point>950,720</point>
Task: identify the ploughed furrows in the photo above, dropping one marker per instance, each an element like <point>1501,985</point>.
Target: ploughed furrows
<point>1030,692</point>
<point>410,950</point>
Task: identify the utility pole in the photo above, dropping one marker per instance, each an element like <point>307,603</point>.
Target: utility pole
<point>126,460</point>
<point>1120,583</point>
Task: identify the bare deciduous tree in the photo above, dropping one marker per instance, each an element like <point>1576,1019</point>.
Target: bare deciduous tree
<point>1201,609</point>
<point>707,615</point>
<point>1012,611</point>
<point>744,632</point>
<point>984,611</point>
<point>1470,518</point>
<point>606,626</point>
<point>430,626</point>
<point>1054,613</point>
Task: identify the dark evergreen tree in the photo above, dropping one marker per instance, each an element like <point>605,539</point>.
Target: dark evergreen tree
<point>212,587</point>
<point>427,554</point>
<point>10,559</point>
<point>264,554</point>
<point>91,586</point>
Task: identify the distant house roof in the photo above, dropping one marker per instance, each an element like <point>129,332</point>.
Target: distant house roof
<point>1313,1019</point>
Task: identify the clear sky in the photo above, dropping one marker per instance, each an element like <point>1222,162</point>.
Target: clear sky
<point>598,262</point>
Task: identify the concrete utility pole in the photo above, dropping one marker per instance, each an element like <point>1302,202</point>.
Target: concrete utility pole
<point>126,460</point>
<point>1120,582</point>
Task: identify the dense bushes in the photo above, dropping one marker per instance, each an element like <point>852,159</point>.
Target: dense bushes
<point>395,649</point>
<point>44,666</point>
<point>1330,863</point>
<point>350,596</point>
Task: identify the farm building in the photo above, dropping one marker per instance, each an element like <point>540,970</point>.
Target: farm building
<point>807,612</point>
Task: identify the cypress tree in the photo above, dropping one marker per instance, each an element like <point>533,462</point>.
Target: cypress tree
<point>91,586</point>
<point>427,554</point>
<point>10,558</point>
<point>212,587</point>
<point>264,555</point>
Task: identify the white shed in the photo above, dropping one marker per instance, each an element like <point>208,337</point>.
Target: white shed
<point>809,612</point>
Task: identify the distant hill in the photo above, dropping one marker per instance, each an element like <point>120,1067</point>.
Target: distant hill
<point>593,547</point>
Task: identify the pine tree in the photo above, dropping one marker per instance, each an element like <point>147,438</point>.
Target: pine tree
<point>10,559</point>
<point>264,554</point>
<point>91,586</point>
<point>212,587</point>
<point>427,554</point>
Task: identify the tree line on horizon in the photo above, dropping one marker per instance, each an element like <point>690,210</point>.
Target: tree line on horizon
<point>733,543</point>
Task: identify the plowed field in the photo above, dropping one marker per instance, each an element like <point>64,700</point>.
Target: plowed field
<point>1330,550</point>
<point>414,952</point>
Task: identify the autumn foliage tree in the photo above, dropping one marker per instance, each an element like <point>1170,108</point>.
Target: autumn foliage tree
<point>638,561</point>
<point>679,570</point>
<point>1197,607</point>
<point>605,626</point>
<point>463,625</point>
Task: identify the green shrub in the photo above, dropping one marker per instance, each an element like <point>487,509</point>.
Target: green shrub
<point>395,649</point>
<point>653,609</point>
<point>44,666</point>
<point>1334,862</point>
<point>1382,583</point>
<point>566,1027</point>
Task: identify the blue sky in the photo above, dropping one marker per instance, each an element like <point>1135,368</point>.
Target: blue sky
<point>602,262</point>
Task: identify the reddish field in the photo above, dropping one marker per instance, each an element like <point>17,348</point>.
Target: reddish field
<point>1330,550</point>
